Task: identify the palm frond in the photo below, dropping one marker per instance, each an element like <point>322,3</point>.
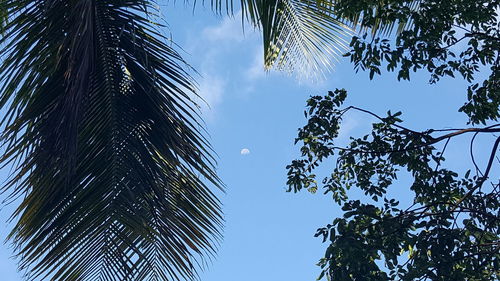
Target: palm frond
<point>298,35</point>
<point>4,16</point>
<point>302,36</point>
<point>111,164</point>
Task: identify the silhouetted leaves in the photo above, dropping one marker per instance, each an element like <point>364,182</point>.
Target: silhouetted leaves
<point>450,232</point>
<point>112,168</point>
<point>446,38</point>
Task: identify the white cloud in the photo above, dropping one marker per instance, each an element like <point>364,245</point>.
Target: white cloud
<point>211,90</point>
<point>256,69</point>
<point>347,127</point>
<point>245,151</point>
<point>353,124</point>
<point>229,29</point>
<point>213,45</point>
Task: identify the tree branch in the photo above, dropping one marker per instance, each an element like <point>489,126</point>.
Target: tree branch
<point>483,178</point>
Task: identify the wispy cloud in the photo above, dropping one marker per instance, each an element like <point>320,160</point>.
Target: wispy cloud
<point>211,90</point>
<point>256,69</point>
<point>354,124</point>
<point>207,47</point>
<point>229,29</point>
<point>214,45</point>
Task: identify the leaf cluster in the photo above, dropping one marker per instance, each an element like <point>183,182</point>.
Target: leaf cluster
<point>445,38</point>
<point>451,231</point>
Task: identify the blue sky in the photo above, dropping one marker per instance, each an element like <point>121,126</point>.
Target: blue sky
<point>269,233</point>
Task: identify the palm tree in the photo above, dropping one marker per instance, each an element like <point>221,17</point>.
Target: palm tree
<point>110,160</point>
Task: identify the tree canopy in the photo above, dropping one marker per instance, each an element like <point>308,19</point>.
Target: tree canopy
<point>451,231</point>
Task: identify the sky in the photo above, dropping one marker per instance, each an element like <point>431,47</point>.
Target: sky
<point>252,117</point>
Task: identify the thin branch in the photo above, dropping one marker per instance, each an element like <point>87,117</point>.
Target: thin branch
<point>489,129</point>
<point>382,119</point>
<point>478,171</point>
<point>486,173</point>
<point>434,140</point>
<point>453,44</point>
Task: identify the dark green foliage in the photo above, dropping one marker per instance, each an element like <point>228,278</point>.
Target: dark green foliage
<point>446,38</point>
<point>451,231</point>
<point>108,156</point>
<point>298,35</point>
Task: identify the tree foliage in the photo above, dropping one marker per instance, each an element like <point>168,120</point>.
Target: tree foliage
<point>451,231</point>
<point>446,38</point>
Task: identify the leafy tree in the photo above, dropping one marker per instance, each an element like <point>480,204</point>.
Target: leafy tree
<point>113,172</point>
<point>452,229</point>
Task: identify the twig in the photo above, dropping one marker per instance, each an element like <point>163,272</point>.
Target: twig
<point>478,171</point>
<point>484,177</point>
<point>383,119</point>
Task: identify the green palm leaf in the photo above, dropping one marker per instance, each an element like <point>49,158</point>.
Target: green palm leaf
<point>298,35</point>
<point>109,159</point>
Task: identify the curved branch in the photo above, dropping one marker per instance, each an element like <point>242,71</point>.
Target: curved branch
<point>484,177</point>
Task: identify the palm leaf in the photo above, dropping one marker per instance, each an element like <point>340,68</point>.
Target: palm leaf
<point>301,36</point>
<point>298,35</point>
<point>4,16</point>
<point>109,158</point>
